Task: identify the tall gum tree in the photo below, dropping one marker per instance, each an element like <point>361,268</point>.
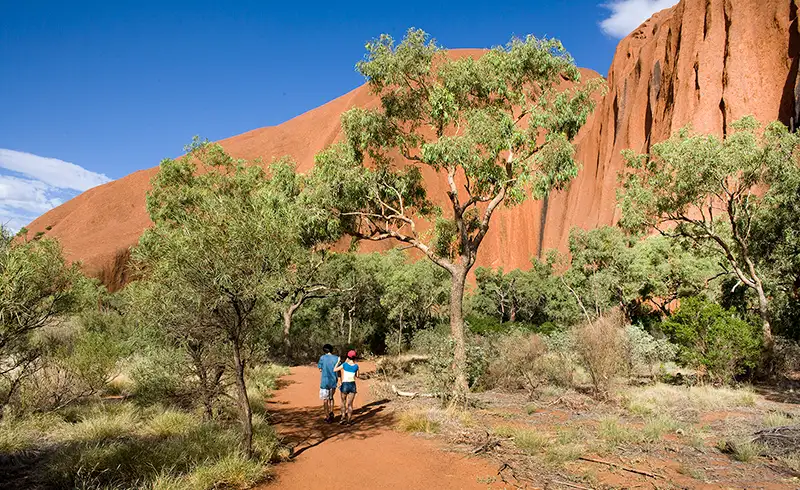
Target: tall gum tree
<point>498,128</point>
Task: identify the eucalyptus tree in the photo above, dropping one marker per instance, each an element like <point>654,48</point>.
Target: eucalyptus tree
<point>717,194</point>
<point>495,128</point>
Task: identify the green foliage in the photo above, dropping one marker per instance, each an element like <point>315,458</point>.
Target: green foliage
<point>498,124</point>
<point>609,268</point>
<point>487,99</point>
<point>535,296</point>
<point>714,339</point>
<point>735,198</point>
<point>414,295</point>
<point>645,351</point>
<point>37,289</point>
<point>212,264</point>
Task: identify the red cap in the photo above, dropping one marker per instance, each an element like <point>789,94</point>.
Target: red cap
<point>351,354</point>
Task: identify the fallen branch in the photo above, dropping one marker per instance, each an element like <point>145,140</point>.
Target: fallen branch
<point>624,468</point>
<point>491,443</point>
<point>411,394</point>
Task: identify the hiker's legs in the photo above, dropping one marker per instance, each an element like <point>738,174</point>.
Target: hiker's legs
<point>343,408</point>
<point>327,403</point>
<point>350,398</point>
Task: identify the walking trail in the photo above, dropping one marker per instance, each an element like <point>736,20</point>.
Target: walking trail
<point>368,454</point>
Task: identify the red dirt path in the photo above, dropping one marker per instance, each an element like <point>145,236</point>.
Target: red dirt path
<point>369,454</point>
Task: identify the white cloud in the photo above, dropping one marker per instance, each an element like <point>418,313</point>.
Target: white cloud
<point>43,183</point>
<point>51,171</point>
<point>26,195</point>
<point>627,15</point>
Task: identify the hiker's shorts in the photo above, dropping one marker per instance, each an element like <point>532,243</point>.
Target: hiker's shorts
<point>349,387</point>
<point>326,393</point>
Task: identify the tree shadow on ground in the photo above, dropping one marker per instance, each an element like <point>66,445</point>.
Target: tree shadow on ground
<point>788,392</point>
<point>303,428</point>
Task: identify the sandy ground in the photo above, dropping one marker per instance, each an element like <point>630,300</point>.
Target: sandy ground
<point>370,454</point>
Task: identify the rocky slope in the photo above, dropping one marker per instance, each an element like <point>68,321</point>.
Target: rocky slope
<point>702,62</point>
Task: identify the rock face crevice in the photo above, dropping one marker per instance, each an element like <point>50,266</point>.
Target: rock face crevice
<point>704,63</point>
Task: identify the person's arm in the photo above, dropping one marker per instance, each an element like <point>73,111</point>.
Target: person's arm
<point>339,365</point>
<point>319,364</point>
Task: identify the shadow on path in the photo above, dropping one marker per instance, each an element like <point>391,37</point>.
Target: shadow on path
<point>303,427</point>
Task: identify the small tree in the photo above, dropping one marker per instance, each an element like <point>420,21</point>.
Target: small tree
<point>495,128</point>
<point>710,192</point>
<point>36,288</point>
<point>215,250</point>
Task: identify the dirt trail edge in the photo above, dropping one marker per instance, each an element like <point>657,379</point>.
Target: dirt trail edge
<point>369,454</point>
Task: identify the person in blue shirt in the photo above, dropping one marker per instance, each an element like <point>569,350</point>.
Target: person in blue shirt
<point>349,370</point>
<point>328,379</point>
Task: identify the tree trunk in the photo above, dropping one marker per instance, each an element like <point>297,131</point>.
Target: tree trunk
<point>245,414</point>
<point>460,386</point>
<point>350,327</point>
<point>763,310</point>
<point>400,335</point>
<point>287,327</point>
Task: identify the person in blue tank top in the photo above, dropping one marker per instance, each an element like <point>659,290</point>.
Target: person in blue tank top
<point>328,380</point>
<point>349,370</point>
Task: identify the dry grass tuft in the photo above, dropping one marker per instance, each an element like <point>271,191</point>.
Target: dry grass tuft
<point>686,401</point>
<point>418,420</point>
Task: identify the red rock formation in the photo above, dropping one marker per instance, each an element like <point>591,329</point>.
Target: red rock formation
<point>702,62</point>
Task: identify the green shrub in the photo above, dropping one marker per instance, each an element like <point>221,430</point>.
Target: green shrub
<point>437,371</point>
<point>713,339</point>
<point>158,376</point>
<point>645,351</point>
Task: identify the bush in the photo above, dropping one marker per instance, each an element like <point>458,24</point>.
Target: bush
<point>560,363</point>
<point>714,340</point>
<point>75,361</point>
<point>438,345</point>
<point>645,351</point>
<point>158,377</point>
<point>601,348</point>
<point>515,362</point>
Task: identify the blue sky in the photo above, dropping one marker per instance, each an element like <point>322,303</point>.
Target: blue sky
<point>115,86</point>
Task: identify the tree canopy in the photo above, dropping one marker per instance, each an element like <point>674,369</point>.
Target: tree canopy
<point>721,195</point>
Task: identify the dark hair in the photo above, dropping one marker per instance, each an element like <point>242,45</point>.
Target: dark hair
<point>327,348</point>
<point>351,358</point>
